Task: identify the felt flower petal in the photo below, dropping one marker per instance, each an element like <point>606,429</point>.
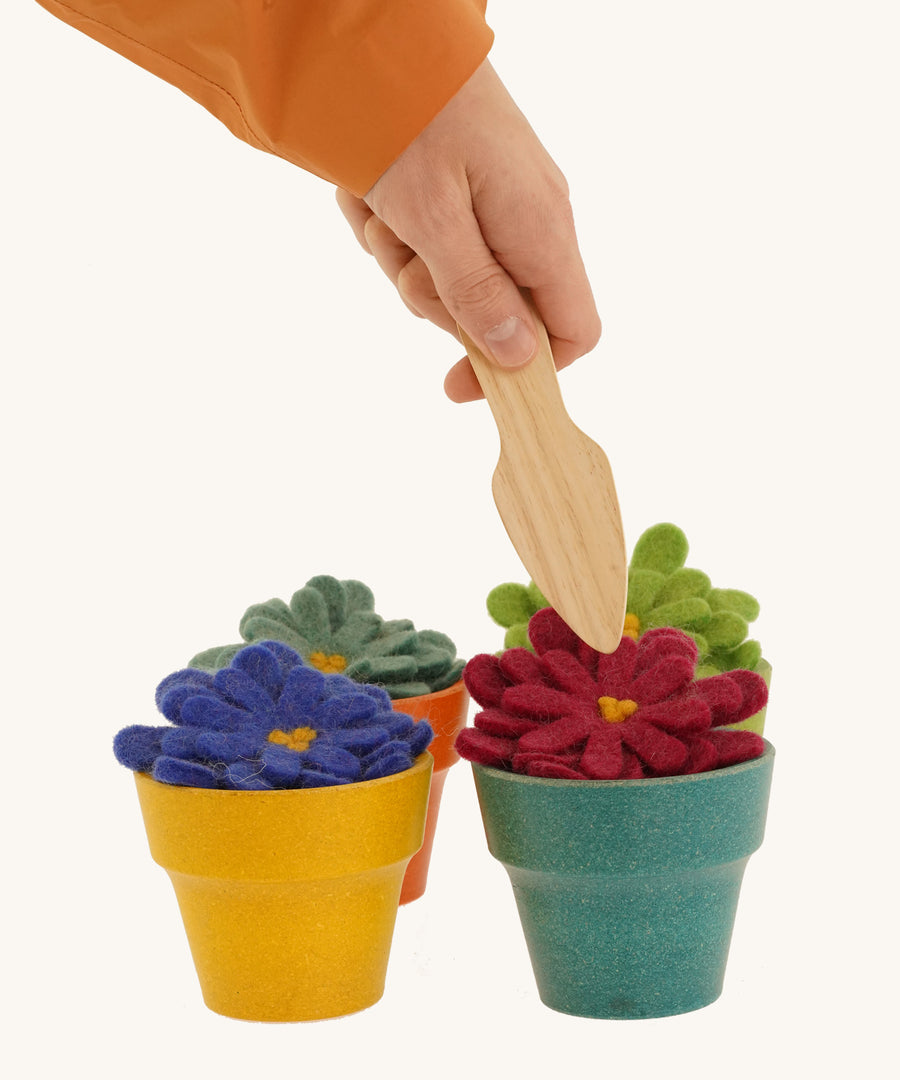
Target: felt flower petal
<point>742,603</point>
<point>547,631</point>
<point>335,760</point>
<point>176,683</point>
<point>539,702</point>
<point>484,749</point>
<point>226,746</point>
<point>273,611</point>
<point>754,695</point>
<point>615,671</point>
<point>359,741</point>
<point>383,669</point>
<point>567,674</point>
<point>509,604</point>
<point>169,770</point>
<point>396,760</point>
<point>557,735</point>
<point>725,630</point>
<point>643,585</point>
<point>521,665</point>
<point>138,746</point>
<point>678,715</point>
<point>702,755</point>
<point>662,548</point>
<point>692,613</point>
<point>485,680</point>
<point>421,738</point>
<point>217,657</point>
<point>516,637</point>
<point>722,694</point>
<point>747,655</point>
<point>431,663</point>
<point>240,689</point>
<point>348,710</point>
<point>683,584</point>
<point>304,688</point>
<point>671,675</point>
<point>450,677</point>
<point>603,757</point>
<point>498,722</point>
<point>310,616</point>
<point>246,776</point>
<point>280,766</point>
<point>550,769</point>
<point>259,628</point>
<point>401,690</point>
<point>360,628</point>
<point>263,668</point>
<point>734,747</point>
<point>359,597</point>
<point>663,754</point>
<point>334,596</point>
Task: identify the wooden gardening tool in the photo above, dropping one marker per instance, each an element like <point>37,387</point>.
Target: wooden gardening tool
<point>554,489</point>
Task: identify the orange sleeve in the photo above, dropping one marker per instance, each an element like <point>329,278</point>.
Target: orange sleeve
<point>337,87</point>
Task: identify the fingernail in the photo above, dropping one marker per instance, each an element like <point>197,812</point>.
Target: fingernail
<point>511,343</point>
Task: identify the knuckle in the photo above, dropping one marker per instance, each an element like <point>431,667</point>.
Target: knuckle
<point>480,289</point>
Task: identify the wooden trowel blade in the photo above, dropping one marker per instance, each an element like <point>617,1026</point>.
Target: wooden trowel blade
<point>554,490</point>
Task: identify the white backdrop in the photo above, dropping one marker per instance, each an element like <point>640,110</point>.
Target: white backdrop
<point>210,395</point>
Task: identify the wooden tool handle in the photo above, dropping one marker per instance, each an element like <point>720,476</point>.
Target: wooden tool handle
<point>522,400</point>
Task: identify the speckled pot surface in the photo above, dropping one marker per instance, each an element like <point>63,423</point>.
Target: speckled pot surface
<point>289,898</point>
<point>627,889</point>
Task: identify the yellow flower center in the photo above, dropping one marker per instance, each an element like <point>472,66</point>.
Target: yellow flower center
<point>330,665</point>
<point>614,711</point>
<point>632,627</point>
<point>298,739</point>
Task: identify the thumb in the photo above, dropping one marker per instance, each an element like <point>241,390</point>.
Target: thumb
<point>485,301</point>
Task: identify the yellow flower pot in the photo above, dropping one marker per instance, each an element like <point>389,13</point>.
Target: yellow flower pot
<point>289,898</point>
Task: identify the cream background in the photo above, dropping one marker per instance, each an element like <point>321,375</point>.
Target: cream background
<point>199,413</point>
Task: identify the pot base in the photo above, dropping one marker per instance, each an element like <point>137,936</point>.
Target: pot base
<point>626,948</point>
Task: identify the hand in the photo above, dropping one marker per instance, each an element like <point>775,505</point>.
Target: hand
<point>470,212</point>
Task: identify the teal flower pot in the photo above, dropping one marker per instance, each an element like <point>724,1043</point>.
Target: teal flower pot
<point>627,889</point>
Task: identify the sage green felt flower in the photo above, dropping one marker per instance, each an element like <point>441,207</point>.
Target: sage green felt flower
<point>662,591</point>
<point>334,627</point>
<point>511,606</point>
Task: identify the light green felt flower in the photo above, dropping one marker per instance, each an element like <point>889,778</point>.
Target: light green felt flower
<point>511,606</point>
<point>662,591</point>
<point>334,627</point>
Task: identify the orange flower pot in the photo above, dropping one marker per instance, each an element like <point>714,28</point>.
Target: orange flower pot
<point>446,711</point>
<point>289,898</point>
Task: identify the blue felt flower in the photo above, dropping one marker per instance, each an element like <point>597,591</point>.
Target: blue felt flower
<point>268,720</point>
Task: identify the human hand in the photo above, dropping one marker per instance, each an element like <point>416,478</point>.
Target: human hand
<point>472,211</point>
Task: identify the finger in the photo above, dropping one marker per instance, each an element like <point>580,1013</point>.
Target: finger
<point>357,214</point>
<point>416,286</point>
<point>479,294</point>
<point>461,384</point>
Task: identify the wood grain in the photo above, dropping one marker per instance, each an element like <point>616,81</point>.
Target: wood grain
<point>554,489</point>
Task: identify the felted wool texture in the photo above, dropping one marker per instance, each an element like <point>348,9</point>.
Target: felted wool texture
<point>662,591</point>
<point>571,712</point>
<point>332,624</point>
<point>269,720</point>
<point>511,605</point>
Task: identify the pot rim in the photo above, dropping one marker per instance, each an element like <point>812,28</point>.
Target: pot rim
<point>655,781</point>
<point>418,765</point>
<point>448,691</point>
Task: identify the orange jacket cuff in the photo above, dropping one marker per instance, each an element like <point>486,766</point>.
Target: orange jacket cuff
<point>338,87</point>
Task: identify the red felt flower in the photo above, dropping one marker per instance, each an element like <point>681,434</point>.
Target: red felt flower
<point>569,712</point>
